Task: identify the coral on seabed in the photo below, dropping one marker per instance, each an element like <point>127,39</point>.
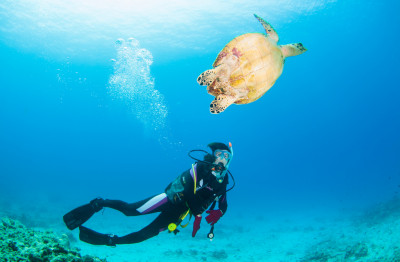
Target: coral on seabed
<point>19,243</point>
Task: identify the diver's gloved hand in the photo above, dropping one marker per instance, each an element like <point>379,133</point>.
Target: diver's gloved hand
<point>196,225</point>
<point>214,216</point>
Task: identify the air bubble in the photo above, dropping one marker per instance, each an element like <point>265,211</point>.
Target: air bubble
<point>120,41</point>
<point>133,84</point>
<point>133,42</point>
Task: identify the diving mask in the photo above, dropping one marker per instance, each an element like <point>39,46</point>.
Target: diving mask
<point>223,154</point>
<point>220,170</point>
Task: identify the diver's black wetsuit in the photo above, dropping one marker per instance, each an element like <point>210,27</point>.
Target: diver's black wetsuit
<point>179,196</point>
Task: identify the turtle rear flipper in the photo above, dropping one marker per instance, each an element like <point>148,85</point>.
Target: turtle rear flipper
<point>220,103</point>
<point>207,77</point>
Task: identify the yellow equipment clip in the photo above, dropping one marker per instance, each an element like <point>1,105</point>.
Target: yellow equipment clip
<point>172,227</point>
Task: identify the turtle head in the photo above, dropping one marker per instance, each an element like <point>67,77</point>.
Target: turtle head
<point>293,49</point>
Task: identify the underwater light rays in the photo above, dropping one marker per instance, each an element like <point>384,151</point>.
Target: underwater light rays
<point>55,28</point>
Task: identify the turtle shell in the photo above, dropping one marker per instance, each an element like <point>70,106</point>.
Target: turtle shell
<point>259,64</point>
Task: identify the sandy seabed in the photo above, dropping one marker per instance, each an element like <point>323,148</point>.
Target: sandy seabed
<point>369,235</point>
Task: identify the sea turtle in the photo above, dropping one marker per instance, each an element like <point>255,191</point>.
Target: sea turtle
<point>246,68</point>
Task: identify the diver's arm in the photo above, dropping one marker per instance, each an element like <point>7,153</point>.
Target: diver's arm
<point>215,215</point>
<point>195,205</point>
<point>223,204</point>
<point>178,191</point>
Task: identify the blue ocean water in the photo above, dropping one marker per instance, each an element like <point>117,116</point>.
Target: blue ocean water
<point>101,99</point>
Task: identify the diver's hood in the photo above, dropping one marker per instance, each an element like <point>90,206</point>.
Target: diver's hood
<point>217,145</point>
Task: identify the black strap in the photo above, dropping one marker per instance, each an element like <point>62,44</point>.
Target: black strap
<point>213,205</point>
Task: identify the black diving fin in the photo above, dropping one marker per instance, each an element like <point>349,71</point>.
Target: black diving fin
<point>78,216</point>
<point>95,238</point>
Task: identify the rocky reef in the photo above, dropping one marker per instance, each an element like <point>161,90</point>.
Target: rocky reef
<point>19,243</point>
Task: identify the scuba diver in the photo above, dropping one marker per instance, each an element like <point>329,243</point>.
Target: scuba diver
<point>192,192</point>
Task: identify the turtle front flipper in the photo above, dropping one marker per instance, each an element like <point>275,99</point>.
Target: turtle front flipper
<point>268,28</point>
<point>220,103</point>
<point>207,77</point>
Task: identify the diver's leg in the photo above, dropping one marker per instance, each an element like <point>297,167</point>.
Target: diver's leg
<point>153,229</point>
<point>80,215</point>
<point>150,205</point>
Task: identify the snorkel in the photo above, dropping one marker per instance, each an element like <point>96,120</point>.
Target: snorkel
<point>223,173</point>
